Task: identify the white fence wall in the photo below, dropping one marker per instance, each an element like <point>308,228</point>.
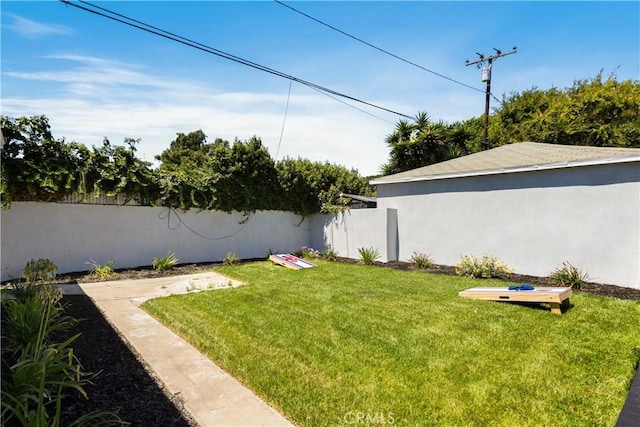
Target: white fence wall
<point>70,235</point>
<point>589,216</point>
<point>348,231</point>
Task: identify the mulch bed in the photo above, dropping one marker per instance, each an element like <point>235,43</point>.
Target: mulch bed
<point>126,385</point>
<point>123,382</point>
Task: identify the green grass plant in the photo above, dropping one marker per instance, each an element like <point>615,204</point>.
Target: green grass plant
<point>568,275</point>
<point>40,270</point>
<point>166,262</point>
<point>102,272</point>
<point>330,254</point>
<point>40,370</point>
<point>368,255</point>
<point>231,259</point>
<point>421,261</point>
<point>340,343</point>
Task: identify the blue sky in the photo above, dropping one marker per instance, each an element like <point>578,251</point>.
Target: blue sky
<point>94,77</point>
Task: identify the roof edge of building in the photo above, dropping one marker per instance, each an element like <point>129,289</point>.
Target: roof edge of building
<point>497,171</point>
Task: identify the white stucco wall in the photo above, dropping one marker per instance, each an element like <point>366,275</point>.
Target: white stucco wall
<point>589,216</point>
<point>71,235</point>
<point>348,231</point>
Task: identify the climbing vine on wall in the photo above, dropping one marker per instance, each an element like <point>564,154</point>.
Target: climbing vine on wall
<point>193,173</point>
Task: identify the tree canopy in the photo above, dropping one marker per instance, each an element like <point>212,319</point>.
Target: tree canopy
<point>596,112</point>
<point>38,167</point>
<point>193,173</point>
<point>593,112</point>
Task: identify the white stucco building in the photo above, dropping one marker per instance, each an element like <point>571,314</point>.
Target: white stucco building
<point>533,205</point>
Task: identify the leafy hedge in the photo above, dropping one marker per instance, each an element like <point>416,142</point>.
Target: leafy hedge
<point>239,176</point>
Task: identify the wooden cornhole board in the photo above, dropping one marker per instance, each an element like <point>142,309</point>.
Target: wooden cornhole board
<point>291,261</point>
<point>554,296</point>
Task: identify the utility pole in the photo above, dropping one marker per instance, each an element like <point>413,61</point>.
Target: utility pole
<point>486,77</point>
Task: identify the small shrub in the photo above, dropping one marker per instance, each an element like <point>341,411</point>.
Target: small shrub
<point>421,261</point>
<point>568,275</point>
<point>308,253</point>
<point>330,254</point>
<point>270,252</point>
<point>231,259</point>
<point>368,255</point>
<point>101,272</point>
<point>40,270</point>
<point>166,262</point>
<point>482,268</point>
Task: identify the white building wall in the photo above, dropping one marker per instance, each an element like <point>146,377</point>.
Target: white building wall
<point>348,231</point>
<point>589,216</point>
<point>70,235</point>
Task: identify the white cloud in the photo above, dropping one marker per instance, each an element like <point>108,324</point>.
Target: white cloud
<point>106,98</point>
<point>32,29</point>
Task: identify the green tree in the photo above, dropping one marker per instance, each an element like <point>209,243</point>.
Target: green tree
<point>310,187</point>
<point>245,176</point>
<point>35,165</point>
<point>115,169</point>
<point>595,112</point>
<point>422,143</point>
<point>219,175</point>
<point>38,167</point>
<point>239,176</point>
<point>184,151</point>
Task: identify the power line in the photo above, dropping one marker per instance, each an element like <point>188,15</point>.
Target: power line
<point>354,107</point>
<point>167,214</point>
<point>284,120</point>
<point>123,19</point>
<point>376,47</point>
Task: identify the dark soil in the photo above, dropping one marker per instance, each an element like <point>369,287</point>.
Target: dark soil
<point>126,385</point>
<point>123,383</point>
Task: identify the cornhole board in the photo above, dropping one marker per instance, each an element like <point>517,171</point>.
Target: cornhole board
<point>291,261</point>
<point>556,297</point>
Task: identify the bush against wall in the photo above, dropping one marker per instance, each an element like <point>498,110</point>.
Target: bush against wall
<point>239,176</point>
<point>311,187</point>
<point>38,167</point>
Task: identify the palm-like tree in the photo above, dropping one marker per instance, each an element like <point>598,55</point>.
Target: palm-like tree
<point>417,144</point>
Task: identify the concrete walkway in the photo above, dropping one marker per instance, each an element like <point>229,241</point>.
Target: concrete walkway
<point>210,395</point>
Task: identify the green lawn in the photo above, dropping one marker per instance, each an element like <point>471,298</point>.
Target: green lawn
<point>344,343</point>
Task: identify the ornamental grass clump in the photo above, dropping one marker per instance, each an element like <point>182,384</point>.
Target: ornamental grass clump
<point>482,268</point>
<point>101,272</point>
<point>330,254</point>
<point>568,275</point>
<point>231,259</point>
<point>421,261</point>
<point>368,255</point>
<point>166,262</point>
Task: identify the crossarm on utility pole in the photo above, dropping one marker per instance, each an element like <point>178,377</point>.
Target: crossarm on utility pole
<point>489,60</point>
